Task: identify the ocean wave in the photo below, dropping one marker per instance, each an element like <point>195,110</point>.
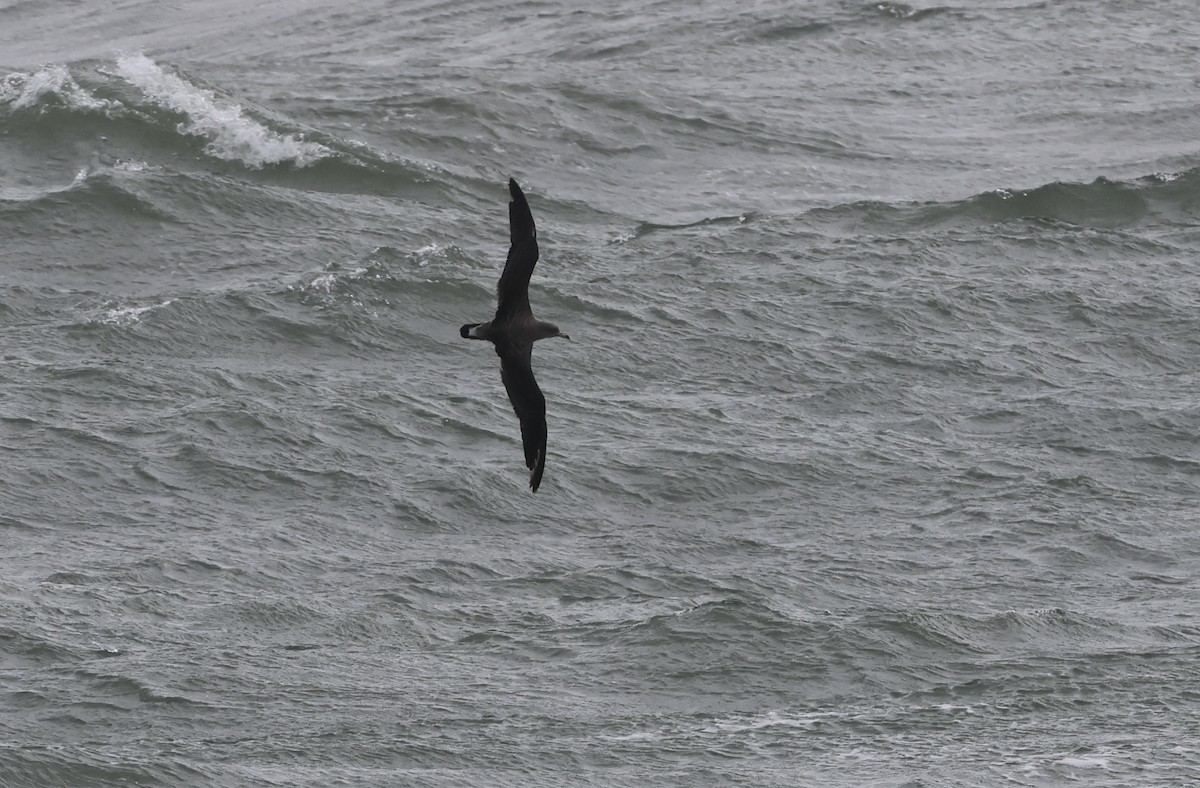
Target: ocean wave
<point>1018,634</point>
<point>19,648</point>
<point>75,764</point>
<point>787,26</point>
<point>49,86</point>
<point>113,314</point>
<point>906,12</point>
<point>145,133</point>
<point>23,194</point>
<point>387,273</point>
<point>231,133</point>
<point>137,110</point>
<point>1158,198</point>
<point>95,193</point>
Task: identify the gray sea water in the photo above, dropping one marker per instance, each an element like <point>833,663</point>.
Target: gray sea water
<point>875,459</point>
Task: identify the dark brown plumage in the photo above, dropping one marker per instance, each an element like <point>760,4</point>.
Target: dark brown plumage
<point>513,331</point>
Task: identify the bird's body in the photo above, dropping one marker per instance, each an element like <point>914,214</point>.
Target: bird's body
<point>513,331</point>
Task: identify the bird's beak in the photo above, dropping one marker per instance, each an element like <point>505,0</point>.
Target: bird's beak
<point>564,336</point>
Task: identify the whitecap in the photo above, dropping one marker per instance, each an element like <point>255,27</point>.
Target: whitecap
<point>231,134</point>
<point>769,720</point>
<point>327,282</point>
<point>1085,763</point>
<point>130,165</point>
<point>323,282</point>
<point>126,316</point>
<point>427,253</point>
<point>23,91</point>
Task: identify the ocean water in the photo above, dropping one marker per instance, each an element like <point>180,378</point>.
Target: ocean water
<point>874,459</point>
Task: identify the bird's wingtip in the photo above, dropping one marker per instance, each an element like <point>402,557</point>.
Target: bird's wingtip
<point>536,470</point>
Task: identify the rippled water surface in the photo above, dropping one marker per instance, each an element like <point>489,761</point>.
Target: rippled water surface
<point>875,458</point>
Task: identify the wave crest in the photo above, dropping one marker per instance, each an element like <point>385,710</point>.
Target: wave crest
<point>232,135</point>
<point>50,84</point>
<point>1103,203</point>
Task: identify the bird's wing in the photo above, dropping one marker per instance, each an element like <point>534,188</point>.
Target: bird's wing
<point>530,407</point>
<point>513,291</point>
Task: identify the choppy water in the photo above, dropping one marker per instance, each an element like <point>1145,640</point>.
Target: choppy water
<point>874,460</point>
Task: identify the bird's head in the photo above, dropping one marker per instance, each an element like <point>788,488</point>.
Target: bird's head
<point>549,331</point>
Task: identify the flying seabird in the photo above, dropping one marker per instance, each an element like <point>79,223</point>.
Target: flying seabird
<point>513,331</point>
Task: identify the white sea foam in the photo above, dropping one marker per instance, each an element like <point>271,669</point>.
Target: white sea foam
<point>23,91</point>
<point>130,165</point>
<point>1085,763</point>
<point>231,134</point>
<point>324,282</point>
<point>327,281</point>
<point>125,316</point>
<point>769,720</point>
<point>427,253</point>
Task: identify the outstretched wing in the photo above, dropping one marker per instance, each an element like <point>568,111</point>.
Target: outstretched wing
<point>530,407</point>
<point>513,290</point>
